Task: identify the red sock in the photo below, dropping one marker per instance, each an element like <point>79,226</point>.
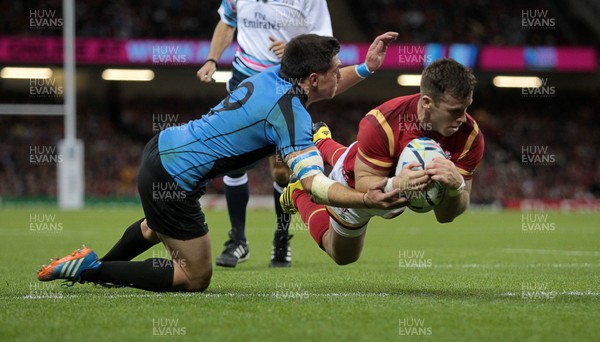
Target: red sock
<point>331,150</point>
<point>314,216</point>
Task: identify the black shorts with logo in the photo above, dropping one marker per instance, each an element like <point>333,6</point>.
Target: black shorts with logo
<point>169,209</point>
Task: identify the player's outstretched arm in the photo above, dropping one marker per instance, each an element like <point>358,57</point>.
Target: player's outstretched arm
<point>338,195</point>
<point>457,196</point>
<point>353,74</point>
<point>308,166</point>
<point>222,37</point>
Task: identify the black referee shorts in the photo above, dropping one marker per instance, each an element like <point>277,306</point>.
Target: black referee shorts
<point>235,80</point>
<point>169,209</point>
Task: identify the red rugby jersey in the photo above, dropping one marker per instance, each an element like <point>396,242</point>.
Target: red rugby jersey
<point>386,130</point>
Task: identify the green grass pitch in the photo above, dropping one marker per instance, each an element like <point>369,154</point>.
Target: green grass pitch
<point>487,276</point>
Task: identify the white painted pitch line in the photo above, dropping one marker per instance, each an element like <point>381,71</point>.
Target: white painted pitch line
<point>51,296</point>
<point>305,295</point>
<point>550,252</point>
<point>579,293</point>
<point>285,295</point>
<point>563,293</point>
<point>538,265</point>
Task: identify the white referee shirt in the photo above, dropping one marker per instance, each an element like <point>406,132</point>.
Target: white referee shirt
<point>256,20</point>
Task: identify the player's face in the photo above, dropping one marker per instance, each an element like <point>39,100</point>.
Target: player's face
<point>447,114</point>
<point>327,82</point>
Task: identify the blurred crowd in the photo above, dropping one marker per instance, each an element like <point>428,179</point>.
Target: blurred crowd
<point>445,21</point>
<point>542,148</point>
<point>539,149</point>
<point>115,19</point>
<point>467,21</point>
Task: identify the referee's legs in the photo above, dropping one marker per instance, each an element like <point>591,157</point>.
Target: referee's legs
<point>281,255</point>
<point>236,186</point>
<point>237,194</point>
<point>236,248</point>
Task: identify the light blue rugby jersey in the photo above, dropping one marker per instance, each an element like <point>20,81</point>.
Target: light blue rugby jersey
<point>264,113</point>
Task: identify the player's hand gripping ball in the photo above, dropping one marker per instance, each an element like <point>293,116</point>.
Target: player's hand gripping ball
<point>422,150</point>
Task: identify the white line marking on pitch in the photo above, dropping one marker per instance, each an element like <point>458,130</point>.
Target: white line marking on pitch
<point>550,252</point>
<point>538,265</point>
<point>587,293</point>
<point>215,295</point>
<point>564,293</point>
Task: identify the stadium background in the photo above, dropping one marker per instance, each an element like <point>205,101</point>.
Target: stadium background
<point>491,275</point>
<point>115,119</point>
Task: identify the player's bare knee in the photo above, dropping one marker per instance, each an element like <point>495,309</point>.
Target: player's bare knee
<point>197,286</point>
<point>199,283</point>
<point>345,257</point>
<point>342,260</point>
<point>444,219</point>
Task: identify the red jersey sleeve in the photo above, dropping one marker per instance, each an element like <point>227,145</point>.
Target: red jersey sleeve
<point>376,141</point>
<point>472,153</point>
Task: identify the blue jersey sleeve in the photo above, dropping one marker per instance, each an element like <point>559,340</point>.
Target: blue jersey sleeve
<point>290,126</point>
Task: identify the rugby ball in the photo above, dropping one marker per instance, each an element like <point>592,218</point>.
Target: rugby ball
<point>422,150</point>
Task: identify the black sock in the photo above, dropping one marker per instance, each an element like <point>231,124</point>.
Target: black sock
<point>283,219</point>
<point>151,274</point>
<point>131,244</point>
<point>237,199</point>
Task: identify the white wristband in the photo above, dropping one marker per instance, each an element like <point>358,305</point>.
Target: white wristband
<point>458,191</point>
<point>320,188</point>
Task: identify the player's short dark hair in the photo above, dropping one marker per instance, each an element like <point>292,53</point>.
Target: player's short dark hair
<point>308,53</point>
<point>447,75</point>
